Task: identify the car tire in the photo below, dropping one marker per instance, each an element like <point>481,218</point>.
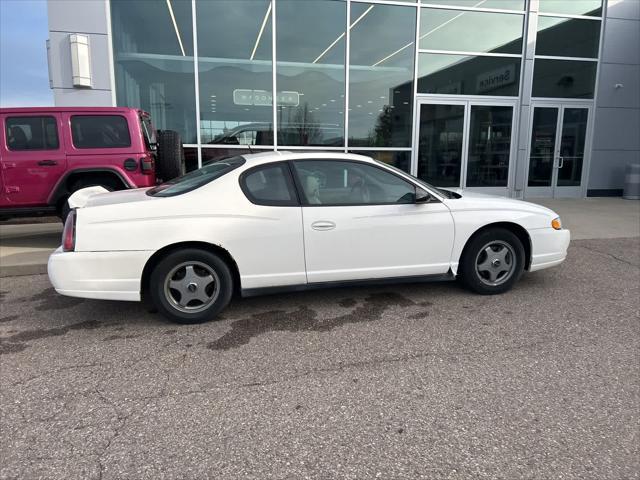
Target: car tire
<point>191,286</point>
<point>492,262</point>
<point>170,162</point>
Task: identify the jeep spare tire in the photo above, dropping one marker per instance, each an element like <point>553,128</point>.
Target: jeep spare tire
<point>170,157</point>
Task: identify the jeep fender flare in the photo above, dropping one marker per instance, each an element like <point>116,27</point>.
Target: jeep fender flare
<point>60,191</point>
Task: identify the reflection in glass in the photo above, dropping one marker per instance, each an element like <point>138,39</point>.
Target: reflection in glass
<point>574,134</point>
<point>235,72</point>
<point>470,31</point>
<point>310,68</point>
<point>459,74</point>
<point>401,160</point>
<point>153,62</point>
<point>440,144</point>
<point>564,78</point>
<point>543,146</point>
<point>591,8</point>
<point>502,4</point>
<point>382,41</point>
<point>568,37</point>
<point>489,146</point>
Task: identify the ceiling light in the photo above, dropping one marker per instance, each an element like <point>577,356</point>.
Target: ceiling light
<point>175,26</point>
<point>342,35</point>
<point>264,22</point>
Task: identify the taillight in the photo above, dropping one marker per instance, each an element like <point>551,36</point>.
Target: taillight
<point>147,165</point>
<point>69,232</point>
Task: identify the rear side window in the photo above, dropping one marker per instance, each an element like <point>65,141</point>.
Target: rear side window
<point>197,178</point>
<point>269,185</point>
<point>100,131</point>
<point>32,133</point>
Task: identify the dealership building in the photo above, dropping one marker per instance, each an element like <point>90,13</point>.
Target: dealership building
<point>524,98</point>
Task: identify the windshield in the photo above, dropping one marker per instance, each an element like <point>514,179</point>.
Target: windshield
<point>445,193</point>
<point>197,178</point>
<point>147,131</point>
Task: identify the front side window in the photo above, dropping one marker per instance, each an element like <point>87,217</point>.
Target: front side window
<point>197,178</point>
<point>100,131</point>
<point>31,133</point>
<point>269,185</point>
<point>328,182</point>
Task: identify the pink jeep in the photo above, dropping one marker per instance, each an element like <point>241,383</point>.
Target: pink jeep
<point>46,154</point>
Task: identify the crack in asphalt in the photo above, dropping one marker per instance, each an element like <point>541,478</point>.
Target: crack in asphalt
<point>607,254</point>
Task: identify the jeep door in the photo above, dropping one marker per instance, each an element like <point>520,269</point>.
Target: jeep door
<point>33,157</point>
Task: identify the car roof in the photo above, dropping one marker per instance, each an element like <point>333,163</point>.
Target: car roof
<point>32,110</point>
<point>281,155</point>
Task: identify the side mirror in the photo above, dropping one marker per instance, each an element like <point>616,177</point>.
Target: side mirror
<point>422,196</point>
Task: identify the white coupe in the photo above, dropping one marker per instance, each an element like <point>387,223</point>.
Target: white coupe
<point>289,221</point>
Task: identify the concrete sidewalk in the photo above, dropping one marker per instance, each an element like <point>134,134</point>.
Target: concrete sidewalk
<point>24,249</point>
<point>595,217</point>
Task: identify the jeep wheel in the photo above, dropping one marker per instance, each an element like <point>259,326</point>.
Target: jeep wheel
<point>170,162</point>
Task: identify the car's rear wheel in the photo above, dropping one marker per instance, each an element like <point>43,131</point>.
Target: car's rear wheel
<point>191,286</point>
<point>492,262</point>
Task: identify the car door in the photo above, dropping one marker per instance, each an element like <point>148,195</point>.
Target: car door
<point>361,221</point>
<point>33,158</point>
<point>269,243</point>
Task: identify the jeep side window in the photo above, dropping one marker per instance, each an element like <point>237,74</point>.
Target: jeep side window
<point>100,131</point>
<point>31,133</point>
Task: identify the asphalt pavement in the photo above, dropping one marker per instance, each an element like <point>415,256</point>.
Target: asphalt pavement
<point>412,381</point>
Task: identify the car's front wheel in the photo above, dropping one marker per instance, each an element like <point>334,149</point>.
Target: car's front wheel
<point>191,286</point>
<point>492,262</point>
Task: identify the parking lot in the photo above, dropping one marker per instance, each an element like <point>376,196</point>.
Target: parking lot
<point>406,381</point>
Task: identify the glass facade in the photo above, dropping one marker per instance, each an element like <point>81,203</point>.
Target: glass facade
<point>381,70</point>
<point>566,54</point>
<point>153,62</point>
<point>234,76</point>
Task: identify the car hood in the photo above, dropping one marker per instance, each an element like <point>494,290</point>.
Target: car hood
<point>98,196</point>
<point>482,201</point>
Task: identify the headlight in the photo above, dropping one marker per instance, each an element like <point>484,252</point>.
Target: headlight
<point>556,223</point>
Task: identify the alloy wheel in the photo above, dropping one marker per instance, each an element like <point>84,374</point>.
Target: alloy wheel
<point>191,287</point>
<point>495,263</point>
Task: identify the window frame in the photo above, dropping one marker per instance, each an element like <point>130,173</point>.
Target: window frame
<point>55,122</point>
<point>93,147</point>
<point>289,179</point>
<point>305,202</point>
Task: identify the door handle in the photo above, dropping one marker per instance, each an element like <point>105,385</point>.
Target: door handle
<point>322,225</point>
<point>560,162</point>
<point>47,163</point>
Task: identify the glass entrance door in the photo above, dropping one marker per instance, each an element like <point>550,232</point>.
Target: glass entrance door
<point>557,150</point>
<point>465,143</point>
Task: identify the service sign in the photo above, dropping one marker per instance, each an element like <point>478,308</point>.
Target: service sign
<point>264,98</point>
<point>494,79</point>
